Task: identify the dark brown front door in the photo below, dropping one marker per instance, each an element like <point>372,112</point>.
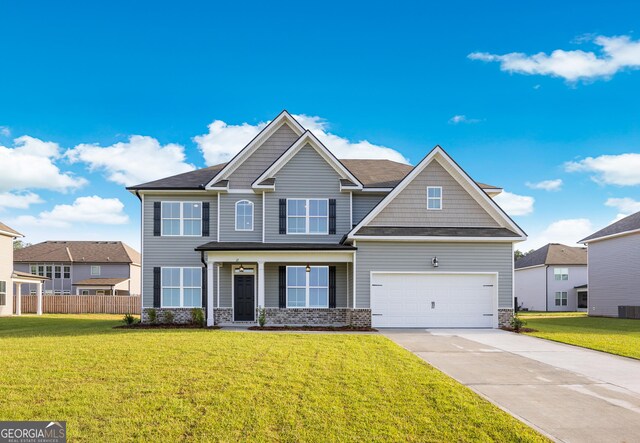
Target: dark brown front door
<point>243,298</point>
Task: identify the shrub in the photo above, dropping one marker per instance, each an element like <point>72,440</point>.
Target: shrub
<point>128,319</point>
<point>152,315</point>
<point>262,316</point>
<point>197,317</point>
<point>517,323</point>
<point>168,317</point>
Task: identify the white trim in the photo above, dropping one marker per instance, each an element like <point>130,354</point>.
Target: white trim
<point>350,210</point>
<point>233,285</point>
<point>264,199</point>
<point>280,256</point>
<point>209,295</point>
<point>311,139</point>
<point>439,239</point>
<point>273,126</point>
<point>11,234</point>
<point>236,214</point>
<point>381,190</point>
<point>218,217</point>
<point>307,288</point>
<point>417,170</point>
<point>513,276</point>
<point>530,267</point>
<point>241,191</point>
<point>606,237</point>
<point>440,199</point>
<point>218,266</point>
<point>307,216</point>
<point>355,279</point>
<point>181,218</point>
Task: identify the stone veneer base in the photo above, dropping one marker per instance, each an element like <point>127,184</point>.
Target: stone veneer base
<point>180,315</point>
<point>504,317</point>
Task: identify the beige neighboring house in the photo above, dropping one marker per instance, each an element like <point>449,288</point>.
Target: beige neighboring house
<point>9,277</point>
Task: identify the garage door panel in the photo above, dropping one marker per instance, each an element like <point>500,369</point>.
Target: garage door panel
<point>433,300</point>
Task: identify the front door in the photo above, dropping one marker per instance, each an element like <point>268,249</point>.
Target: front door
<point>243,298</point>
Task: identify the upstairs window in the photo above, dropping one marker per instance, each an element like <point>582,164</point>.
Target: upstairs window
<point>58,272</point>
<point>182,219</point>
<point>67,272</point>
<point>307,216</point>
<point>434,197</point>
<point>244,215</point>
<point>561,273</point>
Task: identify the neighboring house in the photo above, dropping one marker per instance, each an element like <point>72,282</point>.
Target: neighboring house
<point>81,267</point>
<point>614,266</point>
<point>552,278</point>
<point>287,227</point>
<point>8,277</point>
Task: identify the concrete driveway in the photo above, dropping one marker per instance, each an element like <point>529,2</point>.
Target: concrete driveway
<point>570,394</point>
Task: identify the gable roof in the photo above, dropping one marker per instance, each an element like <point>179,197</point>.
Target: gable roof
<point>554,254</point>
<point>307,138</point>
<point>627,225</point>
<point>78,252</point>
<point>377,173</point>
<point>10,232</point>
<point>196,180</point>
<point>476,192</point>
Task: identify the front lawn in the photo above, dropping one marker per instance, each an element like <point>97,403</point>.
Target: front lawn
<point>202,385</point>
<point>613,335</point>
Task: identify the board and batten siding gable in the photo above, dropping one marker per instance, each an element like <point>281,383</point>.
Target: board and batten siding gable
<point>262,158</point>
<point>171,251</point>
<point>614,274</point>
<point>306,175</point>
<point>228,231</point>
<point>385,256</point>
<point>363,204</point>
<point>409,207</point>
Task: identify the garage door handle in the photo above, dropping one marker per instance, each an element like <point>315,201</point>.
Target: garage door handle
<point>487,286</point>
<point>487,315</point>
<point>373,284</point>
<point>376,314</point>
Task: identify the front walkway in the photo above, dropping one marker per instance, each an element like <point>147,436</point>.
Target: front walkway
<point>569,393</point>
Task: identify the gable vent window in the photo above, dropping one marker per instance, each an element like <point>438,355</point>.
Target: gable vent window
<point>561,274</point>
<point>434,197</point>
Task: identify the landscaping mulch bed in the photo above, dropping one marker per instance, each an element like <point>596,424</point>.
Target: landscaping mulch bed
<point>163,326</point>
<point>311,328</point>
<point>507,328</point>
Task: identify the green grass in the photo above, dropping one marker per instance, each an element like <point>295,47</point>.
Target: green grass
<point>613,335</point>
<point>203,385</point>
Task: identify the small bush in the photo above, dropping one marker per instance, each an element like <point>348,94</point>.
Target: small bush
<point>197,317</point>
<point>168,317</point>
<point>152,315</point>
<point>517,323</point>
<point>128,319</point>
<point>262,317</point>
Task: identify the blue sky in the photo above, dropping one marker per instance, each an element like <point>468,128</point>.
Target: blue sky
<point>93,96</point>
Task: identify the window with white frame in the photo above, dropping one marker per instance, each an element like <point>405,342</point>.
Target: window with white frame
<point>33,269</point>
<point>561,298</point>
<point>95,270</point>
<point>49,272</point>
<point>3,293</point>
<point>66,272</point>
<point>182,219</point>
<point>41,270</point>
<point>308,216</point>
<point>181,287</point>
<point>58,272</point>
<point>307,289</point>
<point>561,273</point>
<point>244,215</point>
<point>84,292</point>
<point>434,197</point>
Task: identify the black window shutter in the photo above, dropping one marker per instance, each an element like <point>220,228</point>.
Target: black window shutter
<point>332,286</point>
<point>204,289</point>
<point>157,218</point>
<point>282,299</point>
<point>283,216</point>
<point>156,287</point>
<point>332,216</point>
<point>205,219</point>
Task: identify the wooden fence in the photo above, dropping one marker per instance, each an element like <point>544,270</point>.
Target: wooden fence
<point>81,304</point>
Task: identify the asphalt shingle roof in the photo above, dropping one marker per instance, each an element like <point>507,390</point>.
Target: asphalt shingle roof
<point>6,228</point>
<point>434,232</point>
<point>78,252</point>
<point>630,223</point>
<point>554,254</point>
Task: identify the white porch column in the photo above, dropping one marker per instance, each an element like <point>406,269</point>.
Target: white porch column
<point>261,283</point>
<point>210,293</point>
<point>39,292</point>
<point>18,298</point>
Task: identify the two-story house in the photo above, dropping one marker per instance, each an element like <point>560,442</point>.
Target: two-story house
<point>288,227</point>
<point>81,267</point>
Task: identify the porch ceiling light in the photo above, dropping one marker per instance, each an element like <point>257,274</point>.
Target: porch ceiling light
<point>308,268</point>
<point>434,262</point>
<point>241,268</point>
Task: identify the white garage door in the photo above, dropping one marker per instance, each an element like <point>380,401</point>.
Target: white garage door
<point>433,300</point>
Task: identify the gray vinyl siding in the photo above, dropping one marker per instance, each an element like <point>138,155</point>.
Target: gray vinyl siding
<point>262,158</point>
<point>452,257</point>
<point>272,283</point>
<point>363,204</point>
<point>577,277</point>
<point>225,285</point>
<point>409,207</point>
<point>171,251</point>
<point>614,274</point>
<point>228,231</point>
<point>531,287</point>
<point>306,175</point>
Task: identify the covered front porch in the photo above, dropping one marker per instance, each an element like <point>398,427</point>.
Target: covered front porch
<point>20,278</point>
<point>295,284</point>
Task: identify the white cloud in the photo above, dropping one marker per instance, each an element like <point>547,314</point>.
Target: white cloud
<point>223,141</point>
<point>139,160</point>
<point>622,170</point>
<point>91,209</point>
<point>546,185</point>
<point>514,204</point>
<point>5,131</point>
<point>460,118</point>
<point>30,164</point>
<point>616,54</point>
<point>567,232</point>
<point>18,200</point>
<point>625,206</point>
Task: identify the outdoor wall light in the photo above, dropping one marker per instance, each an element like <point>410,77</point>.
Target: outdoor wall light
<point>434,262</point>
<point>308,268</point>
